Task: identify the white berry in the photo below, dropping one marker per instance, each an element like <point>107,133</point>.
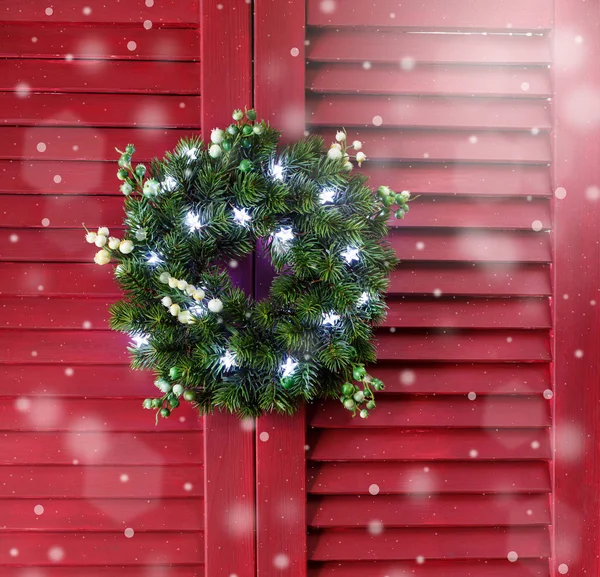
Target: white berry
<point>90,237</point>
<point>215,151</point>
<point>360,157</point>
<point>175,309</point>
<point>103,231</point>
<point>182,285</point>
<point>125,246</point>
<point>215,305</point>
<point>172,282</point>
<point>190,289</point>
<point>166,301</point>
<point>100,240</point>
<point>198,295</point>
<point>184,317</point>
<point>217,135</point>
<point>113,242</point>
<point>177,390</point>
<point>340,136</point>
<point>164,277</point>
<point>334,153</point>
<point>102,257</point>
<point>357,145</point>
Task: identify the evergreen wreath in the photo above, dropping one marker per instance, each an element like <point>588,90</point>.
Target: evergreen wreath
<point>203,207</point>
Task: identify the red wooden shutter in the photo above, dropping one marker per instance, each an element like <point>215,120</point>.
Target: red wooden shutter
<point>89,485</point>
<point>450,475</point>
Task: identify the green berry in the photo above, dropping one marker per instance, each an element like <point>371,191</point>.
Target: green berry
<point>377,384</point>
<point>348,389</point>
<point>245,165</point>
<point>140,170</point>
<point>287,382</point>
<point>388,200</point>
<point>122,163</point>
<point>156,403</point>
<point>399,200</point>
<point>147,404</point>
<point>164,412</point>
<point>364,414</point>
<point>246,143</point>
<point>406,207</point>
<point>247,130</point>
<point>233,129</point>
<point>349,404</point>
<point>174,402</point>
<point>400,213</point>
<point>189,395</point>
<point>251,114</point>
<point>130,149</point>
<point>359,373</point>
<point>174,372</point>
<point>122,174</point>
<point>359,396</point>
<point>371,405</point>
<point>226,145</point>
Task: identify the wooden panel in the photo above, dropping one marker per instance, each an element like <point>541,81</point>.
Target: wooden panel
<point>438,543</point>
<point>511,14</point>
<point>101,448</point>
<point>123,571</point>
<point>411,50</point>
<point>174,12</point>
<point>80,548</point>
<point>429,79</point>
<point>426,477</point>
<point>447,411</point>
<point>470,279</point>
<point>376,445</point>
<point>101,482</point>
<point>465,345</point>
<point>431,510</point>
<point>83,515</point>
<point>463,313</point>
<point>462,379</point>
<point>428,112</point>
<point>101,42</point>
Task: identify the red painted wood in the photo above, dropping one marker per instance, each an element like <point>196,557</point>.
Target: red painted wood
<point>100,448</point>
<point>463,313</point>
<point>577,320</point>
<point>79,548</point>
<point>428,112</point>
<point>100,42</point>
<point>451,444</point>
<point>102,482</point>
<point>339,45</point>
<point>438,543</point>
<point>425,477</point>
<point>180,13</point>
<point>446,411</point>
<point>197,570</point>
<point>511,14</point>
<point>447,145</point>
<point>464,345</point>
<point>428,79</point>
<point>228,443</point>
<point>433,510</point>
<point>471,279</point>
<point>462,379</point>
<point>91,516</point>
<point>433,568</point>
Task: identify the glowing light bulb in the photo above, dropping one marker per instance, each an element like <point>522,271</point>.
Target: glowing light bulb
<point>154,259</point>
<point>192,153</point>
<point>284,235</point>
<point>277,171</point>
<point>326,196</point>
<point>169,184</point>
<point>330,319</point>
<point>350,254</point>
<point>363,299</point>
<point>192,220</point>
<point>140,340</point>
<point>228,360</point>
<point>288,367</point>
<point>198,310</point>
<point>241,216</point>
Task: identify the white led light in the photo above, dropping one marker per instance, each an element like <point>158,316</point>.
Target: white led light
<point>192,153</point>
<point>364,299</point>
<point>277,171</point>
<point>228,360</point>
<point>140,340</point>
<point>241,216</point>
<point>198,310</point>
<point>350,254</point>
<point>153,258</point>
<point>326,196</point>
<point>284,235</point>
<point>288,367</point>
<point>192,220</point>
<point>330,319</point>
<point>169,184</point>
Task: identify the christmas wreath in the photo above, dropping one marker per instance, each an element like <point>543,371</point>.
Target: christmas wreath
<point>193,214</point>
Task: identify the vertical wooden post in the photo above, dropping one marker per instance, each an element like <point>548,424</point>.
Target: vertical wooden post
<point>226,61</point>
<point>280,455</point>
<point>577,282</point>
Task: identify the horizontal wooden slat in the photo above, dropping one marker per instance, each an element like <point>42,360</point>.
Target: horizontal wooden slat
<point>464,345</point>
<point>101,110</point>
<point>433,568</point>
<point>382,512</point>
<point>462,14</point>
<point>77,347</point>
<point>411,50</point>
<point>425,477</point>
<point>91,516</point>
<point>60,549</point>
<point>471,246</point>
<point>195,570</point>
<point>85,143</point>
<point>455,312</point>
<point>438,543</point>
<point>62,76</point>
<point>177,12</point>
<point>89,381</point>
<point>403,444</point>
<point>428,79</point>
<point>109,416</point>
<point>98,42</point>
<point>446,411</point>
<point>463,179</point>
<point>102,482</point>
<point>470,279</point>
<point>462,379</point>
<point>64,211</point>
<point>449,145</point>
<point>482,212</point>
<point>155,448</point>
<point>57,279</point>
<point>429,112</point>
